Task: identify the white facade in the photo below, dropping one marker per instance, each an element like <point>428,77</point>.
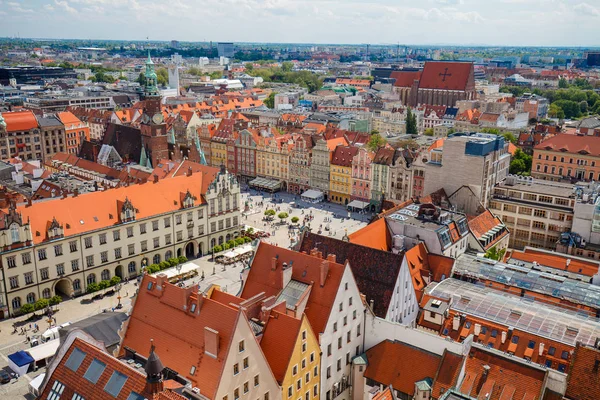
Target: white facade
<point>404,307</point>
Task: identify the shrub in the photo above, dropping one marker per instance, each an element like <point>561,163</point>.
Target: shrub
<point>41,304</point>
<point>104,284</point>
<point>182,259</point>
<point>27,308</point>
<point>164,265</point>
<point>217,249</point>
<point>270,213</point>
<point>282,216</point>
<point>93,287</point>
<point>55,300</point>
<point>153,268</point>
<point>247,239</point>
<point>250,231</point>
<point>173,261</point>
<point>295,220</point>
<point>239,241</point>
<point>231,244</point>
<point>226,246</point>
<point>115,280</point>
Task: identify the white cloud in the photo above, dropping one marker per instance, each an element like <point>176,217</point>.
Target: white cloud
<point>65,5</point>
<point>49,7</point>
<point>17,7</point>
<point>586,9</point>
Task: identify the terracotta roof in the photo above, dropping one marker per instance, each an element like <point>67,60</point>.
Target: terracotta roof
<point>68,119</point>
<point>512,148</point>
<point>439,143</point>
<point>582,382</point>
<point>333,143</point>
<point>384,156</point>
<point>424,266</point>
<point>163,313</point>
<point>343,155</point>
<point>96,210</point>
<point>375,271</point>
<point>572,144</point>
<point>405,78</point>
<point>305,269</point>
<point>483,223</point>
<point>278,341</point>
<point>489,117</point>
<point>556,260</point>
<point>386,394</point>
<point>19,121</point>
<point>505,376</point>
<point>447,374</point>
<point>446,75</point>
<point>375,235</point>
<point>401,365</point>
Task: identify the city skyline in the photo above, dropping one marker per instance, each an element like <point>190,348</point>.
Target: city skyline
<point>443,22</point>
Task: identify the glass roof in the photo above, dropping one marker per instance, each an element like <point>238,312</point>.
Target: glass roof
<point>517,312</point>
<point>529,279</point>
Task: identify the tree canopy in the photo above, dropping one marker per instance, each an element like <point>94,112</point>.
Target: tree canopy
<point>411,123</point>
<point>520,164</point>
<point>375,142</point>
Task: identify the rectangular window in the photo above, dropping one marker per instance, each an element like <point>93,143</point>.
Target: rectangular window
<point>167,222</point>
<point>290,391</point>
<point>179,236</point>
<point>168,239</point>
<point>60,269</point>
<point>58,251</point>
<point>44,273</point>
<point>348,336</point>
<point>116,235</point>
<point>88,242</point>
<point>102,238</point>
<point>11,261</point>
<point>118,253</point>
<point>339,343</point>
<point>73,246</point>
<point>329,349</point>
<point>28,278</point>
<point>144,245</point>
<point>246,363</point>
<point>142,228</point>
<point>131,249</point>
<point>236,369</point>
<point>130,231</point>
<point>56,391</point>
<point>14,282</point>
<point>316,370</point>
<point>256,381</point>
<point>26,258</point>
<point>178,219</point>
<point>42,254</point>
<point>75,359</point>
<point>104,256</point>
<point>339,364</point>
<point>246,387</point>
<point>236,394</point>
<point>241,346</point>
<point>94,371</point>
<point>89,260</point>
<point>154,225</point>
<point>358,330</point>
<point>75,265</point>
<point>156,242</point>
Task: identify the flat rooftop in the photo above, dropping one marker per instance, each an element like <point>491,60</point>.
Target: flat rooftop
<point>538,187</point>
<point>409,215</point>
<point>522,313</point>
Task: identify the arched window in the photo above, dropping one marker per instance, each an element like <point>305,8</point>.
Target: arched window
<point>156,259</point>
<point>46,293</point>
<point>105,275</point>
<point>14,233</point>
<point>16,303</point>
<point>31,298</point>
<point>168,255</point>
<point>220,240</point>
<point>91,278</point>
<point>77,284</point>
<point>131,267</point>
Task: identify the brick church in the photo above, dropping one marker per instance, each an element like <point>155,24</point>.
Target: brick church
<point>439,83</point>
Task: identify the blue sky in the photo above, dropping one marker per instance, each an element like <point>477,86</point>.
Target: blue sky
<point>493,22</point>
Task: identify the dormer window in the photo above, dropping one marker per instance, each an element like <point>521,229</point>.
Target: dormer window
<point>127,211</point>
<point>55,230</point>
<point>188,200</point>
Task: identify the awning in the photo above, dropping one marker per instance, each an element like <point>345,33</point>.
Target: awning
<point>34,385</point>
<point>172,272</point>
<point>264,183</point>
<point>361,205</point>
<point>20,362</point>
<point>44,351</point>
<point>312,194</point>
<point>230,254</point>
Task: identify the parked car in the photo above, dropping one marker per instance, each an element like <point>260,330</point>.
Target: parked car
<point>4,376</point>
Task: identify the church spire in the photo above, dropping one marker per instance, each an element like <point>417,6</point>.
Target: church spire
<point>150,89</point>
<point>154,369</point>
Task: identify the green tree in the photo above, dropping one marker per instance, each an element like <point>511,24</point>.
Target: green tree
<point>182,259</point>
<point>226,246</point>
<point>162,76</point>
<point>270,100</point>
<point>509,137</point>
<point>287,66</point>
<point>239,241</point>
<point>55,300</point>
<point>249,67</point>
<point>554,111</point>
<point>411,123</point>
<point>428,132</point>
<point>495,254</point>
<point>27,308</point>
<point>295,220</point>
<point>41,304</point>
<point>216,75</point>
<point>104,284</point>
<point>194,71</point>
<point>115,280</point>
<point>375,142</point>
<point>270,213</point>
<point>563,83</point>
<point>282,216</point>
<point>569,107</point>
<point>92,287</point>
<point>583,106</point>
<point>520,164</point>
<point>141,79</point>
<point>217,249</point>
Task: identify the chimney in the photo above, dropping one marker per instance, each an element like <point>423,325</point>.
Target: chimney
<point>155,178</point>
<point>503,337</point>
<point>75,192</point>
<point>455,322</point>
<point>316,253</point>
<point>211,342</point>
<point>287,273</point>
<point>189,171</point>
<point>161,279</point>
<point>477,329</point>
<point>324,270</point>
<point>273,263</point>
<point>28,202</point>
<point>541,349</point>
<point>331,257</point>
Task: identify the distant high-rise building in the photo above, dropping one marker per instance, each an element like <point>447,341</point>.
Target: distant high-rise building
<point>225,49</point>
<point>175,44</point>
<point>593,58</point>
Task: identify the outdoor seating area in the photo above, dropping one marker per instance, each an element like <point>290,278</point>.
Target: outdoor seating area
<point>312,196</point>
<point>269,185</point>
<point>357,205</point>
<point>235,255</point>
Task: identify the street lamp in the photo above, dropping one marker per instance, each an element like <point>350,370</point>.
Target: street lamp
<point>178,268</point>
<point>118,288</point>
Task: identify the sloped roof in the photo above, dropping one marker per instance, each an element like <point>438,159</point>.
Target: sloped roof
<point>333,143</point>
<point>572,144</point>
<point>424,266</point>
<point>582,382</point>
<point>179,334</point>
<point>446,75</point>
<point>96,210</point>
<point>485,222</point>
<point>343,155</point>
<point>375,271</point>
<point>556,260</point>
<point>375,235</point>
<point>103,327</point>
<point>18,121</point>
<point>405,78</point>
<point>305,269</point>
<point>278,340</point>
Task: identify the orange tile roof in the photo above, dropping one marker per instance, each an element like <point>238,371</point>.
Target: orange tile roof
<point>405,78</point>
<point>446,75</point>
<point>437,144</point>
<point>504,376</point>
<point>424,266</point>
<point>556,260</point>
<point>582,381</point>
<point>375,235</point>
<point>333,143</point>
<point>165,316</point>
<point>572,144</point>
<point>19,121</point>
<point>306,269</point>
<point>485,222</point>
<point>68,119</point>
<point>97,210</point>
<point>512,148</point>
<point>278,340</point>
<point>343,155</point>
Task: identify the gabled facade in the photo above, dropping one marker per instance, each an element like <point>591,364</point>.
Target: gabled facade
<point>245,155</point>
<point>300,159</point>
<point>361,175</point>
<point>319,167</point>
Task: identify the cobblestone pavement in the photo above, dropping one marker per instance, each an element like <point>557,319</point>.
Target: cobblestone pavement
<point>228,278</point>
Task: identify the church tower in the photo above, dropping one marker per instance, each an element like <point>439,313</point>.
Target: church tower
<point>151,87</point>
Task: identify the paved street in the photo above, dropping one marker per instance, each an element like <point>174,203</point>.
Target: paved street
<point>318,216</point>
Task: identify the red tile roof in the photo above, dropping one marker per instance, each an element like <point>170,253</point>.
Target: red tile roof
<point>163,313</point>
<point>19,121</point>
<point>556,260</point>
<point>505,376</point>
<point>333,143</point>
<point>278,340</point>
<point>582,382</point>
<point>96,210</point>
<point>424,267</point>
<point>343,155</point>
<point>485,222</point>
<point>305,269</point>
<point>572,144</point>
<point>402,365</point>
<point>405,78</point>
<point>446,75</point>
<point>375,235</point>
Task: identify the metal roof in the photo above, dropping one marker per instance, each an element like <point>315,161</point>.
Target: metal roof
<point>521,313</point>
<point>292,293</point>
